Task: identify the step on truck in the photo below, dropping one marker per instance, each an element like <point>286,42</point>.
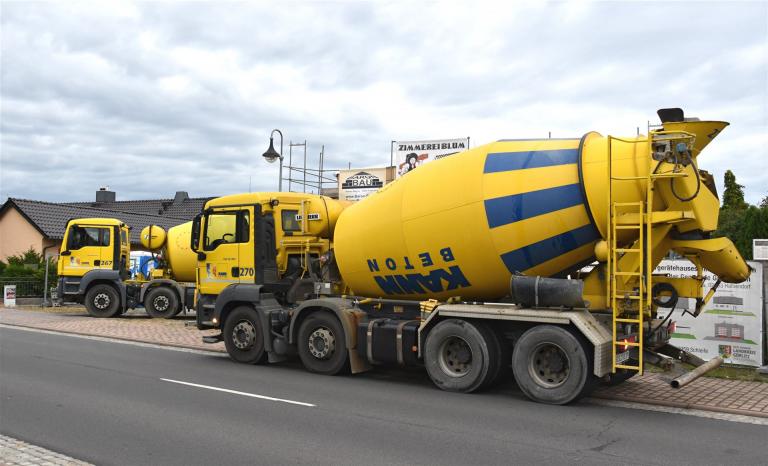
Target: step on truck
<point>473,265</point>
<point>94,267</point>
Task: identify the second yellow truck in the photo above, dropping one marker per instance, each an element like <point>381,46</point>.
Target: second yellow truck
<point>94,268</point>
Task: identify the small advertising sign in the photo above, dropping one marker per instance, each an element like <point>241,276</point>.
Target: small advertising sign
<point>9,296</point>
<point>730,325</point>
<point>411,154</point>
<point>355,185</point>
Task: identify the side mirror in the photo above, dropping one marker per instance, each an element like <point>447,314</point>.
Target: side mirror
<point>66,253</point>
<point>194,242</point>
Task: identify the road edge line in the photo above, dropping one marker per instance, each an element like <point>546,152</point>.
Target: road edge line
<point>124,341</point>
<point>681,408</point>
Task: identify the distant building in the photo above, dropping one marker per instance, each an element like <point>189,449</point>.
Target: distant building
<point>732,331</point>
<point>26,223</point>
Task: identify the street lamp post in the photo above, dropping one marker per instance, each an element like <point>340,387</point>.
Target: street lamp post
<point>271,155</point>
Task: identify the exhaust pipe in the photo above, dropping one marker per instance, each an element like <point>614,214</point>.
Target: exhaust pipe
<point>689,377</point>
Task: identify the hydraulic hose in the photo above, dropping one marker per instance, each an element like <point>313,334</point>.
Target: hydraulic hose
<point>698,182</point>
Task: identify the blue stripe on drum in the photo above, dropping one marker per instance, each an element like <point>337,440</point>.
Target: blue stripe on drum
<point>509,209</point>
<point>507,161</point>
<point>537,253</point>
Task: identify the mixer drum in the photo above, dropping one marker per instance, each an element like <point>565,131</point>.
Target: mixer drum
<point>462,225</point>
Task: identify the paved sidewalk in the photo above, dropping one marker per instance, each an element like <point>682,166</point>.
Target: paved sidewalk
<point>134,326</point>
<point>709,394</point>
<point>16,452</point>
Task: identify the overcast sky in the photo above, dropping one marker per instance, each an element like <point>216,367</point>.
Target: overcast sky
<point>152,98</point>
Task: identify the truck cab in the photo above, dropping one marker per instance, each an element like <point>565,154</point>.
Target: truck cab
<point>256,243</point>
<point>94,255</point>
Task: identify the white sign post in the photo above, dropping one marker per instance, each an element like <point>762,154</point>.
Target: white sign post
<point>9,296</point>
<point>411,154</point>
<point>760,249</point>
<point>730,325</point>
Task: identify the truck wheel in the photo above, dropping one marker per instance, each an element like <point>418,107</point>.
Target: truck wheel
<point>500,356</point>
<point>459,357</point>
<point>552,365</point>
<point>161,302</point>
<point>102,301</point>
<point>243,336</point>
<point>322,344</point>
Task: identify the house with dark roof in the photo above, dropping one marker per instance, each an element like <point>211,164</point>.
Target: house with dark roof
<point>26,223</point>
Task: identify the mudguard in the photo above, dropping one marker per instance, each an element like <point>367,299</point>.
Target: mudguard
<point>244,292</point>
<point>112,276</point>
<point>163,282</point>
<point>348,315</point>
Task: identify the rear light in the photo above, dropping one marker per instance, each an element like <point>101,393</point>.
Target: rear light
<point>672,327</point>
<point>629,339</point>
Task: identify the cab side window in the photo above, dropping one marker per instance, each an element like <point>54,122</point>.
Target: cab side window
<point>226,227</point>
<point>80,237</point>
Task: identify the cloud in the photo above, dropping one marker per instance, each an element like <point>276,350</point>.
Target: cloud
<point>154,98</point>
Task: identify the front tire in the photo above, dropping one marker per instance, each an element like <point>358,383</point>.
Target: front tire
<point>102,300</point>
<point>244,336</point>
<point>552,365</point>
<point>322,344</point>
<point>161,302</point>
<point>461,356</point>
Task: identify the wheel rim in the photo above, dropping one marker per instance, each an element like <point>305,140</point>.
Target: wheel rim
<point>244,335</point>
<point>161,303</point>
<point>101,301</point>
<point>322,343</point>
<point>455,356</point>
<point>549,365</point>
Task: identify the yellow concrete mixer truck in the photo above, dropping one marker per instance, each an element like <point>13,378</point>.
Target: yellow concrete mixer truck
<point>94,268</point>
<point>473,264</point>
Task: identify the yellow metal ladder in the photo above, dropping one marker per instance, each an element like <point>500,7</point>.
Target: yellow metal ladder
<point>629,281</point>
<point>627,304</point>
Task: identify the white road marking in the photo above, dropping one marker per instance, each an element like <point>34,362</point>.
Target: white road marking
<point>116,340</point>
<point>684,411</point>
<point>235,392</point>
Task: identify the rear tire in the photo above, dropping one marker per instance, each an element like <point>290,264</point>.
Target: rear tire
<point>461,356</point>
<point>500,355</point>
<point>553,365</point>
<point>161,302</point>
<point>102,300</point>
<point>244,336</point>
<point>322,344</point>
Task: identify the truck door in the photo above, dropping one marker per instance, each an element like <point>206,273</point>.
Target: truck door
<point>246,265</point>
<point>84,248</point>
<point>125,252</point>
<point>224,233</point>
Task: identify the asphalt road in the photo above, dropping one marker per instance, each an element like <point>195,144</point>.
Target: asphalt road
<point>107,403</point>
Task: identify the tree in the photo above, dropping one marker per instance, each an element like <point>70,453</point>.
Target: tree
<point>30,264</point>
<point>733,196</point>
<point>764,203</point>
<point>739,221</point>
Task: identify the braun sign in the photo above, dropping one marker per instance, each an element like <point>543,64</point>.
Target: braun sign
<point>355,185</point>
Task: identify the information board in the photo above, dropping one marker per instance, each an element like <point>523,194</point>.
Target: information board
<point>731,325</point>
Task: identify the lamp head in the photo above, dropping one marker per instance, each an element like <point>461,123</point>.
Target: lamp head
<point>271,154</point>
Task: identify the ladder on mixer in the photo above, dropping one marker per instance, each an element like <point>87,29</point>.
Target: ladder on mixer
<point>629,299</point>
<point>628,304</point>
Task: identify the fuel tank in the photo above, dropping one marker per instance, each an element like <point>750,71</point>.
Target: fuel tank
<point>462,225</point>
